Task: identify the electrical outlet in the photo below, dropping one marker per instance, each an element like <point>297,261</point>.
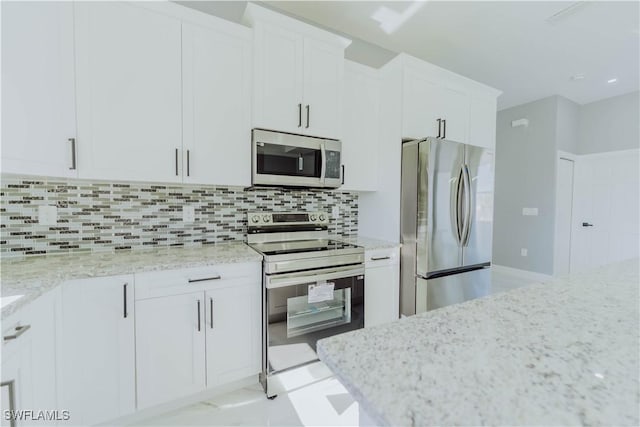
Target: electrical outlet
<point>188,213</point>
<point>524,252</point>
<point>335,212</point>
<point>48,214</point>
<point>529,211</point>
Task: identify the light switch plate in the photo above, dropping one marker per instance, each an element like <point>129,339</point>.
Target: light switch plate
<point>188,213</point>
<point>524,252</point>
<point>47,215</point>
<point>530,211</point>
<point>335,212</point>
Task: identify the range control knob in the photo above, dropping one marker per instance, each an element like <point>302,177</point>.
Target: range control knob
<point>321,217</point>
<point>266,218</point>
<point>312,217</point>
<point>255,218</point>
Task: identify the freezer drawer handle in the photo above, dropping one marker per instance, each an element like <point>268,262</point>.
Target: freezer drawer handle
<point>379,258</point>
<point>205,279</point>
<point>19,331</point>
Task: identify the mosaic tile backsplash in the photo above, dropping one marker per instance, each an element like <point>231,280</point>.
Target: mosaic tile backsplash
<point>108,216</point>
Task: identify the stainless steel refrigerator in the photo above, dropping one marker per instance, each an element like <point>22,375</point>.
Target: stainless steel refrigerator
<point>446,223</point>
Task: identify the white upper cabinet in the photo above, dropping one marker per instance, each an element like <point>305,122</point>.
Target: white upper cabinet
<point>216,73</point>
<point>323,85</point>
<point>360,120</point>
<point>482,126</point>
<point>298,73</point>
<point>129,95</point>
<point>433,108</point>
<point>278,65</point>
<point>38,88</point>
<point>439,103</point>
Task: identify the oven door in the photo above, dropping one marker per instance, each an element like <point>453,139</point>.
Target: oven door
<point>295,160</point>
<point>303,307</point>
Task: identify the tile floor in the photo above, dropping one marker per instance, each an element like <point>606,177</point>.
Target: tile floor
<point>324,403</point>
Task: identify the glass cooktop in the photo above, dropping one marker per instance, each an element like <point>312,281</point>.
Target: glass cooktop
<point>298,246</point>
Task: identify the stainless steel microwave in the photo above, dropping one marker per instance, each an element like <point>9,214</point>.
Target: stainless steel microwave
<point>289,160</point>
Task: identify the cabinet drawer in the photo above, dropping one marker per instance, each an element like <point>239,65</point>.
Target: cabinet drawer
<point>382,257</point>
<point>175,282</point>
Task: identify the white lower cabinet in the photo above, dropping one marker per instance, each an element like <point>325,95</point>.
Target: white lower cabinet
<point>381,286</point>
<point>97,353</point>
<point>29,360</point>
<point>170,348</point>
<point>196,329</point>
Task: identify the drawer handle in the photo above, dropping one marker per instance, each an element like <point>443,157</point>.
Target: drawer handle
<point>205,279</point>
<point>19,331</point>
<point>379,258</point>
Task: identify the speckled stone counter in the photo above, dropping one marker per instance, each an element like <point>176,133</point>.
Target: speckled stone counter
<point>33,276</point>
<point>565,352</point>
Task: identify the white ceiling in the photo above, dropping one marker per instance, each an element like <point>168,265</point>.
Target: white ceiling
<point>509,45</point>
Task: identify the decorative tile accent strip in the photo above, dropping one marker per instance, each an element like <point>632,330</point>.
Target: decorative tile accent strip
<point>108,216</point>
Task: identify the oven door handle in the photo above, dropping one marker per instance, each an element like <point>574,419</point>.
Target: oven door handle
<point>302,277</point>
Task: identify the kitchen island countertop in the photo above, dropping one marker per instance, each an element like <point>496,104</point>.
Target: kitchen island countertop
<point>559,353</point>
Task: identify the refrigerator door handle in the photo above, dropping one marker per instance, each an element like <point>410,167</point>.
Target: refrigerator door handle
<point>466,230</point>
<point>457,202</point>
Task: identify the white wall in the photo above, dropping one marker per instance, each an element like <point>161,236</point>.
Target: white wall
<point>611,124</point>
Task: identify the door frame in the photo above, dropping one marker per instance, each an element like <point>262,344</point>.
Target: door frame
<point>563,155</point>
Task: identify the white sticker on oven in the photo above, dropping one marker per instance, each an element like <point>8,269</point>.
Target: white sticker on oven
<point>321,291</point>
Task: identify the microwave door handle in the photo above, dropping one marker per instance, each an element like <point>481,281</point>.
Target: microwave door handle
<point>323,168</point>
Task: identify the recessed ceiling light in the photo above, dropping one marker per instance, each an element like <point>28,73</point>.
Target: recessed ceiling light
<point>611,81</point>
<point>575,77</point>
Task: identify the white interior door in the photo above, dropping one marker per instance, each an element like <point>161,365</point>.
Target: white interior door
<point>606,209</point>
<point>564,211</point>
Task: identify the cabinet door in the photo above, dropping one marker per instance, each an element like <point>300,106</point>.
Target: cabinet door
<point>216,112</point>
<point>454,105</point>
<point>482,122</point>
<point>170,347</point>
<point>128,62</point>
<point>233,332</point>
<point>381,288</point>
<point>323,83</point>
<point>97,349</point>
<point>360,134</point>
<point>278,79</point>
<point>38,95</point>
<point>422,106</point>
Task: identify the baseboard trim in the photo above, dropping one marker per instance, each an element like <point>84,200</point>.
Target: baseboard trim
<point>524,274</point>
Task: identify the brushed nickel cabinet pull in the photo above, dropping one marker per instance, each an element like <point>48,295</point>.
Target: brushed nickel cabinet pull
<point>439,128</point>
<point>205,279</point>
<point>188,164</point>
<point>73,153</point>
<point>380,258</point>
<point>124,291</point>
<point>176,162</point>
<point>211,303</point>
<point>444,131</point>
<point>19,330</point>
<point>198,315</point>
<point>308,109</point>
<point>299,115</point>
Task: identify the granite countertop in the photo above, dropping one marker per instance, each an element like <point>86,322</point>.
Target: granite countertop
<point>33,276</point>
<point>368,243</point>
<point>560,353</point>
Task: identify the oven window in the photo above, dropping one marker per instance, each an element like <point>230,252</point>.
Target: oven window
<point>304,316</point>
<point>275,159</point>
<point>295,324</point>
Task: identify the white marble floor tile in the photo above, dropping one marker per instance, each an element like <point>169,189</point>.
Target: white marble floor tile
<point>325,403</point>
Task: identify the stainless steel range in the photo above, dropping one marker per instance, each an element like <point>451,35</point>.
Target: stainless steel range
<point>313,287</point>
